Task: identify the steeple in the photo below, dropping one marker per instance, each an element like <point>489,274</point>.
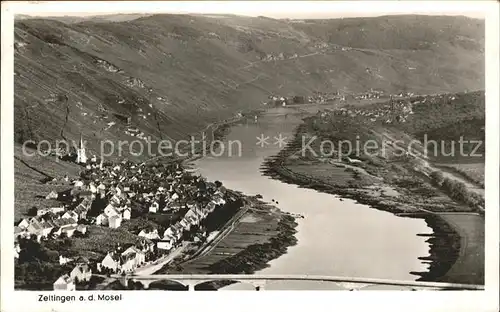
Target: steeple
<point>81,156</point>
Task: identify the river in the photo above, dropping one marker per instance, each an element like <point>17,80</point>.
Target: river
<point>341,238</point>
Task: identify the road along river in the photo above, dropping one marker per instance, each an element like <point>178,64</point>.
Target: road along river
<point>336,237</point>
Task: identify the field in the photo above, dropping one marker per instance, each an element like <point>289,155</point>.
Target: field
<point>245,234</point>
<point>257,236</point>
<point>469,267</point>
<point>327,172</point>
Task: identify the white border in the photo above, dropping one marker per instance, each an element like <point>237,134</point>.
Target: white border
<point>273,300</point>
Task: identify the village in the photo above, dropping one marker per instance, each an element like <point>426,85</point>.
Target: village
<point>395,111</point>
<point>110,195</point>
<point>339,97</point>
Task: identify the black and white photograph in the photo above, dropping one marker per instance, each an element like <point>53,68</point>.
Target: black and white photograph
<point>207,146</point>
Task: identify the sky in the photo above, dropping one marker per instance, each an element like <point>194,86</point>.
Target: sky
<point>274,9</point>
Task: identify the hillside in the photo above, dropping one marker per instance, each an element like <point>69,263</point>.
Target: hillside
<point>175,74</point>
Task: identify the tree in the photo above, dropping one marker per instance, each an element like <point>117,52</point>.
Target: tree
<point>33,211</point>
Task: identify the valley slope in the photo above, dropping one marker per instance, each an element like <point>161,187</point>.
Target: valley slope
<point>174,74</point>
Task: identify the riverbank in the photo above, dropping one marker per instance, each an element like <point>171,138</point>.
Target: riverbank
<point>411,196</point>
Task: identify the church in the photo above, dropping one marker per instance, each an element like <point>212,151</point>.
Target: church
<point>81,156</point>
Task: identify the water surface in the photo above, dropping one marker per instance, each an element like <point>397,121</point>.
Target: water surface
<point>341,238</point>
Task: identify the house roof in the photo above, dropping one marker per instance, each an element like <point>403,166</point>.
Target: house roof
<point>114,256</point>
<point>69,228</point>
<point>64,221</point>
<point>82,260</point>
<point>80,208</point>
<point>24,220</point>
<point>131,249</point>
<point>47,225</point>
<point>82,268</point>
<point>72,214</point>
<point>127,257</point>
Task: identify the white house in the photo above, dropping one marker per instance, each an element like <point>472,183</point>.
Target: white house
<point>69,231</point>
<point>92,188</point>
<point>52,195</point>
<point>17,250</point>
<point>115,222</point>
<point>154,207</point>
<point>128,263</point>
<point>23,224</point>
<point>70,215</point>
<point>81,228</point>
<point>139,256</point>
<point>131,259</point>
<point>81,273</point>
<point>115,199</point>
<point>20,232</point>
<point>111,262</point>
<point>165,244</point>
<point>57,209</point>
<point>101,187</point>
<point>78,183</point>
<point>102,219</point>
<point>149,234</point>
<point>169,233</point>
<point>126,213</point>
<point>111,211</point>
<point>64,260</point>
<point>64,283</point>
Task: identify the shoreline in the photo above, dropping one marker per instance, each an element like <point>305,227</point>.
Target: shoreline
<point>256,256</point>
<point>444,243</point>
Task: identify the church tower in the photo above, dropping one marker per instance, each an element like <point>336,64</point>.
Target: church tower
<point>81,156</point>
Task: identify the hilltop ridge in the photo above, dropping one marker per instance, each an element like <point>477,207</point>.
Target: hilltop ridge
<point>175,74</point>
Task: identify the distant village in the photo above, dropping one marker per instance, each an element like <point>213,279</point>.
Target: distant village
<point>103,196</point>
<point>338,96</point>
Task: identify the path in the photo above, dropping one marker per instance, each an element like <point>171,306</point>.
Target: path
<point>150,269</point>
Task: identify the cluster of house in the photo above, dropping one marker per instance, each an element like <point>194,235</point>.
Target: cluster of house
<point>276,57</point>
<point>54,222</point>
<point>277,100</point>
<point>113,188</point>
<point>80,273</point>
<point>396,111</point>
<point>323,97</point>
<point>193,217</point>
<point>114,262</point>
<point>371,94</point>
<point>125,261</point>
